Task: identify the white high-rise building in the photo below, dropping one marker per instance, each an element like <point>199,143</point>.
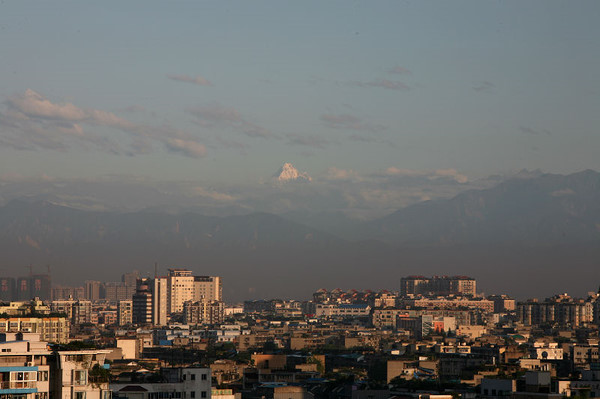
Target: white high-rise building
<point>160,295</point>
<point>208,288</point>
<point>181,289</point>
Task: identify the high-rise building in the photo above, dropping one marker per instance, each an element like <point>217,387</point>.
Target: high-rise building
<point>438,285</point>
<point>82,312</point>
<point>125,312</point>
<point>118,291</point>
<point>160,292</point>
<point>94,290</point>
<point>181,289</point>
<point>130,279</point>
<point>142,303</point>
<point>7,289</point>
<point>208,287</point>
<point>204,312</point>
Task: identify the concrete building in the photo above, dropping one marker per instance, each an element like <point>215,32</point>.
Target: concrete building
<point>561,309</point>
<point>448,303</point>
<point>142,304</point>
<point>438,285</point>
<point>342,310</point>
<point>181,289</point>
<point>72,375</point>
<point>208,287</point>
<point>25,368</point>
<point>7,289</point>
<point>179,383</point>
<point>125,312</point>
<point>118,291</point>
<point>94,290</point>
<point>503,303</point>
<point>31,371</point>
<point>204,312</point>
<point>50,329</point>
<point>160,292</point>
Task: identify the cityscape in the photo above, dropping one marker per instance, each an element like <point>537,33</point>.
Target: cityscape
<point>173,336</point>
<point>383,199</point>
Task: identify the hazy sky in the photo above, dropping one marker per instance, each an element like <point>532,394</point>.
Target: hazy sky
<point>226,91</point>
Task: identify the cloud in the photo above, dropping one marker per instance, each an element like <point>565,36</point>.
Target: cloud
<point>349,122</point>
<point>400,70</point>
<point>529,130</point>
<point>334,173</point>
<point>212,194</point>
<point>308,141</point>
<point>382,83</point>
<point>227,117</point>
<point>393,171</point>
<point>451,173</point>
<point>198,80</point>
<point>31,121</point>
<point>484,86</point>
<point>187,147</point>
<point>431,175</point>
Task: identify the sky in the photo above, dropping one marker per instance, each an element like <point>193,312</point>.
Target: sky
<point>222,94</point>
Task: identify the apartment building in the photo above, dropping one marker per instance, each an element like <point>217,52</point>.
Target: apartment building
<point>181,289</point>
<point>125,312</point>
<point>50,329</point>
<point>208,287</point>
<point>438,285</point>
<point>204,312</point>
<point>29,370</point>
<point>178,383</point>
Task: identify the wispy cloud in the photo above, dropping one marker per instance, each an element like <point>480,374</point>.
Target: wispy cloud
<point>534,132</point>
<point>312,141</point>
<point>187,147</point>
<point>400,70</point>
<point>31,121</point>
<point>382,83</point>
<point>349,122</point>
<point>484,86</point>
<point>198,80</point>
<point>334,173</point>
<point>227,117</point>
<point>452,174</point>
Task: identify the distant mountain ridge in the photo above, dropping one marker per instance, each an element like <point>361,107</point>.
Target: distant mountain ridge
<point>43,222</point>
<point>548,209</point>
<point>506,236</point>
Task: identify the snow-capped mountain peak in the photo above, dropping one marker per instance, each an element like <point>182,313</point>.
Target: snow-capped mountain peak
<point>289,173</point>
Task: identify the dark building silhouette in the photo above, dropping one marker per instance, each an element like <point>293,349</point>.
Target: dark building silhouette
<point>25,288</point>
<point>7,288</point>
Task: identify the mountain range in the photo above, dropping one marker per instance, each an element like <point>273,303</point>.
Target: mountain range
<point>526,236</point>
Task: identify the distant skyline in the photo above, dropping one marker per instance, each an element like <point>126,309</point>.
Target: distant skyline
<point>222,94</point>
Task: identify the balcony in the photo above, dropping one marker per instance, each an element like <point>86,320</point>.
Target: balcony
<point>18,384</point>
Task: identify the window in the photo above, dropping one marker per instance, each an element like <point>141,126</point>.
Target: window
<point>193,394</point>
<point>204,377</point>
<point>203,394</point>
<point>42,375</point>
<point>193,377</point>
<point>78,395</point>
<point>106,394</point>
<point>79,377</point>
